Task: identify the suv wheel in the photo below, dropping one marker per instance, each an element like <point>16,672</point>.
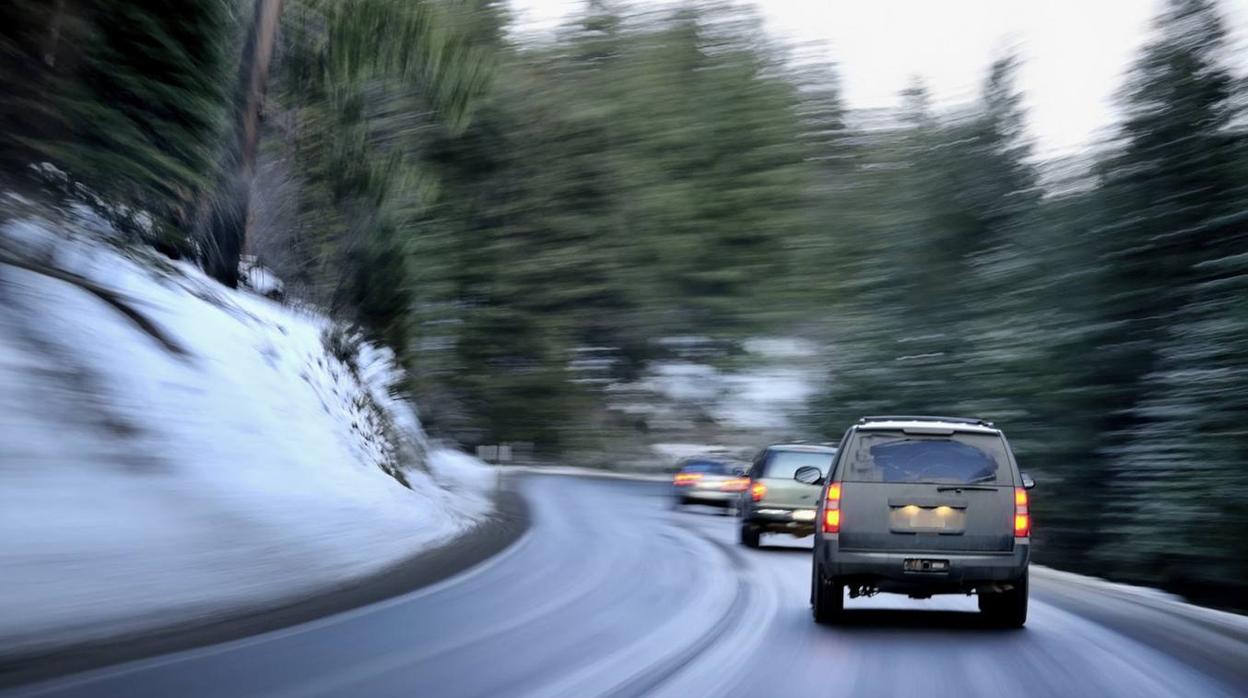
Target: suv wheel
<point>749,536</point>
<point>827,598</point>
<point>1007,609</point>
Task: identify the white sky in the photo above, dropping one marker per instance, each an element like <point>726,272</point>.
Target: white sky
<point>1074,51</point>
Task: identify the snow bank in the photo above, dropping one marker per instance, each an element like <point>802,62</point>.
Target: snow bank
<point>206,452</point>
<point>461,473</point>
<point>261,279</point>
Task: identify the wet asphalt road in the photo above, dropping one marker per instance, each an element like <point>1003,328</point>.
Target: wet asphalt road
<point>613,593</point>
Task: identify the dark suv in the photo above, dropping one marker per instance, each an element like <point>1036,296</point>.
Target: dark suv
<point>775,502</point>
<point>922,506</point>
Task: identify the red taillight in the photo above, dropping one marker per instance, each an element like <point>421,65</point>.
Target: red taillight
<point>832,509</point>
<point>757,491</point>
<point>1022,514</point>
<point>684,479</point>
<point>737,484</point>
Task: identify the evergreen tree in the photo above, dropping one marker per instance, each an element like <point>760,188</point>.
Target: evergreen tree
<point>362,84</point>
<point>1169,198</point>
<point>941,267</point>
<point>126,97</point>
<point>1169,378</point>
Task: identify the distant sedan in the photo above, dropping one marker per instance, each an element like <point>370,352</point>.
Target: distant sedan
<point>706,480</point>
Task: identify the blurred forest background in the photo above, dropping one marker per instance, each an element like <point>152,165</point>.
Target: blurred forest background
<point>497,211</point>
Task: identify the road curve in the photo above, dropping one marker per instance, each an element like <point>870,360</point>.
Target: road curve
<point>611,592</point>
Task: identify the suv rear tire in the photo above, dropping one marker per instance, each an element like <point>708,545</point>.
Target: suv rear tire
<point>827,598</point>
<point>749,536</point>
<point>1007,609</point>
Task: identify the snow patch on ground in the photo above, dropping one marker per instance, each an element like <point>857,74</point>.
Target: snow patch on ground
<point>764,397</point>
<point>261,279</point>
<point>781,347</point>
<point>141,486</point>
<point>464,474</point>
<point>685,381</point>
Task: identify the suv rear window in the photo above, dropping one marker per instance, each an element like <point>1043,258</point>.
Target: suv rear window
<point>956,459</point>
<point>783,464</point>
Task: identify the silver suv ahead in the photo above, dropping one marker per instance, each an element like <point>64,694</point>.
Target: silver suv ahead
<point>775,502</point>
<point>922,506</point>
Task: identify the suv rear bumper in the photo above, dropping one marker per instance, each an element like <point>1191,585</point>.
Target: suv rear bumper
<point>779,519</point>
<point>886,569</point>
<point>691,495</point>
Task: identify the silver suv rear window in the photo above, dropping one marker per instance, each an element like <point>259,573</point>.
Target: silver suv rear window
<point>946,459</point>
<point>783,464</point>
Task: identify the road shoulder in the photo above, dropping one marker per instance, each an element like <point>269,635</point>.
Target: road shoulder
<point>489,538</point>
<point>1213,641</point>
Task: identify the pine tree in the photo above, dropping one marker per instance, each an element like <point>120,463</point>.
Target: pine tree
<point>362,85</point>
<point>1165,197</point>
<point>932,321</point>
<point>1172,296</point>
<point>128,98</point>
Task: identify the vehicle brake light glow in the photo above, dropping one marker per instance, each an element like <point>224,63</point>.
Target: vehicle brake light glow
<point>682,479</point>
<point>757,491</point>
<point>1022,514</point>
<point>737,484</point>
<point>832,509</point>
<point>832,521</point>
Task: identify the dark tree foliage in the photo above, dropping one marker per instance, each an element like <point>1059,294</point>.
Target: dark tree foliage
<point>1101,322</point>
<point>1169,360</point>
<point>126,97</point>
<point>632,181</point>
<point>361,88</point>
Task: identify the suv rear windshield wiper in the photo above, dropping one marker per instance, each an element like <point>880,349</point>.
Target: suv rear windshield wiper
<point>981,488</point>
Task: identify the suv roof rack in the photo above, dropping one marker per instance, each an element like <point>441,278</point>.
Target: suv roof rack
<point>914,418</point>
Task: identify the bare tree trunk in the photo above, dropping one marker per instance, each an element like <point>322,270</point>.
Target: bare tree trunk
<point>227,222</point>
<point>263,40</point>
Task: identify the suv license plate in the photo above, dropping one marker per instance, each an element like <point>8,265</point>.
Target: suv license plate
<point>804,515</point>
<point>917,565</point>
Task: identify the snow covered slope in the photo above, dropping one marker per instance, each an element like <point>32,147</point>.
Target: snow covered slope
<point>169,447</point>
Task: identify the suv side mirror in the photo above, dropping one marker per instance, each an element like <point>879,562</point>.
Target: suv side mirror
<point>1028,483</point>
<point>808,475</point>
